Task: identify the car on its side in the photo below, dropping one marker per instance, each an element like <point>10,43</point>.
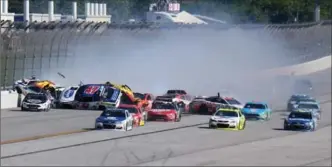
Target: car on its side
<point>97,97</point>
<point>36,102</point>
<point>112,118</point>
<point>228,117</point>
<point>300,121</point>
<point>257,111</point>
<point>67,97</point>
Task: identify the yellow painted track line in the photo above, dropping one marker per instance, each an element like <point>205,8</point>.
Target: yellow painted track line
<point>43,136</point>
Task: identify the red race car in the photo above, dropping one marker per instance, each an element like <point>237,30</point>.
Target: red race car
<point>165,111</point>
<point>136,112</point>
<point>209,105</point>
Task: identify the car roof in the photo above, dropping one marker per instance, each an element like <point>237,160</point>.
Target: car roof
<point>255,102</point>
<point>115,110</point>
<point>307,102</point>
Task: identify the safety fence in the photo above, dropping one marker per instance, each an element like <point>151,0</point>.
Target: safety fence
<point>35,48</point>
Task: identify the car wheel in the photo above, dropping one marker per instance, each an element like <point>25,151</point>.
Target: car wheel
<point>244,125</point>
<point>101,108</point>
<point>22,109</point>
<point>126,128</point>
<point>179,119</point>
<point>286,126</point>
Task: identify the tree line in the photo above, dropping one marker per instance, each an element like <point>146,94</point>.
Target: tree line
<point>253,11</point>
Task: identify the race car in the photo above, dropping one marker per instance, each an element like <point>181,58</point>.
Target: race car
<point>256,111</point>
<point>300,121</point>
<point>296,98</point>
<point>118,119</point>
<point>97,96</point>
<point>36,102</point>
<point>67,97</point>
<point>182,99</point>
<point>209,105</point>
<point>146,99</point>
<point>228,117</point>
<point>138,115</point>
<point>309,107</point>
<point>128,96</point>
<point>165,111</point>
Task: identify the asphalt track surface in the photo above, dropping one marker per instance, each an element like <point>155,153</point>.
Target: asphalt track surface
<point>188,142</point>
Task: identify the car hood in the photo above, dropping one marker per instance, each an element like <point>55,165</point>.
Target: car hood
<point>34,101</point>
<point>161,111</point>
<point>253,110</point>
<point>111,118</point>
<point>218,118</point>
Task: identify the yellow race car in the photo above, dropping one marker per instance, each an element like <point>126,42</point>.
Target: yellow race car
<point>228,118</point>
<point>127,90</point>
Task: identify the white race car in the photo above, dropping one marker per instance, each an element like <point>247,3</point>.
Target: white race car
<point>36,102</point>
<point>67,97</point>
<point>117,119</point>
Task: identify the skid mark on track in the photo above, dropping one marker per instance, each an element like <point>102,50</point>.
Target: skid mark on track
<point>105,140</point>
<point>44,136</point>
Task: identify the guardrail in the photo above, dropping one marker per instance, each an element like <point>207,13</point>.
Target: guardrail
<point>35,48</point>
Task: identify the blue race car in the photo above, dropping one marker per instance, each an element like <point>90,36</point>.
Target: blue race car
<point>296,98</point>
<point>111,118</point>
<point>309,107</point>
<point>256,111</point>
<point>301,121</point>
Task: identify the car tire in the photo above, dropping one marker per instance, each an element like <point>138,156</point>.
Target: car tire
<point>23,109</point>
<point>101,108</point>
<point>126,128</point>
<point>244,125</point>
<point>286,126</point>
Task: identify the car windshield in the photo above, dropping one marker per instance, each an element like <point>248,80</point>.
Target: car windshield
<point>110,113</point>
<point>222,113</point>
<point>131,110</point>
<point>255,106</point>
<point>163,106</point>
<point>41,97</point>
<point>233,101</point>
<point>308,106</point>
<point>139,95</point>
<point>302,115</point>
